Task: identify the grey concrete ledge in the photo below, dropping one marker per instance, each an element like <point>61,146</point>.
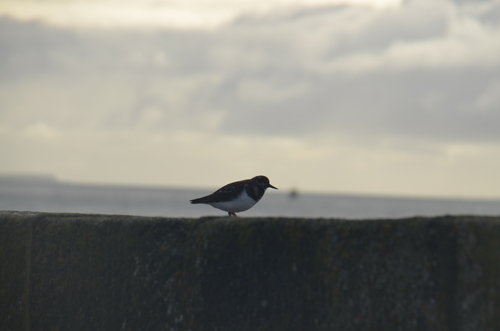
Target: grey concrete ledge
<point>106,272</point>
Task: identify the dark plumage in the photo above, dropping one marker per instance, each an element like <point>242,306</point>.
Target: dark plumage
<point>238,196</point>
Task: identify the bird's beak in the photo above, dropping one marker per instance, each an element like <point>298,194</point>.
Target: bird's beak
<point>273,187</point>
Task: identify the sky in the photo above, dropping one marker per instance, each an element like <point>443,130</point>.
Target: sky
<point>361,97</point>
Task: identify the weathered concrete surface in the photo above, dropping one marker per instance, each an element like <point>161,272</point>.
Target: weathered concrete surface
<point>96,272</point>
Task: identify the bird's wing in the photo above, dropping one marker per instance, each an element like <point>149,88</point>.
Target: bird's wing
<point>225,193</point>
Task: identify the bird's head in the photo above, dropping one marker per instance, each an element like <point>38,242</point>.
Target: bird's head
<point>263,182</point>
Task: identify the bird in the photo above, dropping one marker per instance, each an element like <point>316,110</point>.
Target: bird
<point>237,196</point>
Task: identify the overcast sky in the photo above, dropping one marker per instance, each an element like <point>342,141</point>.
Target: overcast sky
<point>378,97</point>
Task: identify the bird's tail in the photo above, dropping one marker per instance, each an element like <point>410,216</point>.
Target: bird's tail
<point>195,201</point>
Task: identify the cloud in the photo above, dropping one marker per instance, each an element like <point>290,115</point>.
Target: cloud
<point>299,72</point>
<point>489,99</point>
<point>336,89</point>
<point>188,14</point>
<point>41,130</point>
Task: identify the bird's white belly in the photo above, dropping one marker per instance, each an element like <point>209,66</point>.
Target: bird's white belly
<point>242,203</point>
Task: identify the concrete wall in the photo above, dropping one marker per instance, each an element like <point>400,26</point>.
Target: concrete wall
<point>97,272</point>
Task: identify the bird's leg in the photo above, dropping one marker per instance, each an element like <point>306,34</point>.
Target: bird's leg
<point>231,214</point>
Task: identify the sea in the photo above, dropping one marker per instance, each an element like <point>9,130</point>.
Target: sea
<point>46,194</point>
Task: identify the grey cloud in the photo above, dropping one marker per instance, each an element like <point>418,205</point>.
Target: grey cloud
<point>260,75</point>
<point>422,104</point>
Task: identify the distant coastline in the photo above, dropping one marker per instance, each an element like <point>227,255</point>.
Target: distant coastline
<point>28,178</point>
